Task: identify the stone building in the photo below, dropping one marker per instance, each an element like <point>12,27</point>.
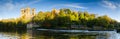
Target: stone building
<point>27,13</point>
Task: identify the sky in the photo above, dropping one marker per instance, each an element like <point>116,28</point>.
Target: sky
<point>11,8</point>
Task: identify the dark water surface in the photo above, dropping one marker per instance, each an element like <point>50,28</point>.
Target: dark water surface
<point>35,34</point>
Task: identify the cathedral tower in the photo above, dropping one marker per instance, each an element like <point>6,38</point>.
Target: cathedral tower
<point>33,11</point>
<point>27,13</point>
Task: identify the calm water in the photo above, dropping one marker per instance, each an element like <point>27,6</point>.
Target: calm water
<point>34,34</point>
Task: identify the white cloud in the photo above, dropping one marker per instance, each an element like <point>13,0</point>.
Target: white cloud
<point>75,6</point>
<point>13,8</point>
<point>118,4</point>
<point>118,20</point>
<point>111,5</point>
<point>10,6</point>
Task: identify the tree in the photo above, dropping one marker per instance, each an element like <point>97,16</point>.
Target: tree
<point>62,18</point>
<point>40,17</point>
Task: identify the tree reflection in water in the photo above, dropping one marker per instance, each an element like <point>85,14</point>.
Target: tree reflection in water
<point>44,35</point>
<point>59,35</point>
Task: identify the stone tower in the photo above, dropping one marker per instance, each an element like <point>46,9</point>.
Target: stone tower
<point>27,13</point>
<point>33,11</point>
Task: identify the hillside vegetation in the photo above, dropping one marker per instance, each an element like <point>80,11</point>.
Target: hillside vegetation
<point>62,18</point>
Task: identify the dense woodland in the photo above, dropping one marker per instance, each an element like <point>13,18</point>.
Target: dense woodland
<point>62,18</point>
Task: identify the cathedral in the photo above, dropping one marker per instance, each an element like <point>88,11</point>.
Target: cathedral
<point>27,13</point>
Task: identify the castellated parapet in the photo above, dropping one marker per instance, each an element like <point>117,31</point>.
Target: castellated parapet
<point>27,13</point>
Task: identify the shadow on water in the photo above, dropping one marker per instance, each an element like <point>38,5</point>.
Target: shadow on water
<point>61,35</point>
<point>36,34</point>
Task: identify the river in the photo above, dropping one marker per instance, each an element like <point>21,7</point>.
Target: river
<point>36,34</point>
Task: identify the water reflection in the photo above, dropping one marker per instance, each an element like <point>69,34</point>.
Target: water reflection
<point>34,34</point>
<point>56,35</point>
<point>13,35</point>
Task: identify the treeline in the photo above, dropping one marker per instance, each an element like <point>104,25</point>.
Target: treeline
<point>61,18</point>
<point>67,17</point>
<point>12,24</point>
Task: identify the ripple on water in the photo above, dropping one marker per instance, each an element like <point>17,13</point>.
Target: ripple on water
<point>118,35</point>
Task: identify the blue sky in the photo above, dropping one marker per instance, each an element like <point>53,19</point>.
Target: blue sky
<point>11,8</point>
